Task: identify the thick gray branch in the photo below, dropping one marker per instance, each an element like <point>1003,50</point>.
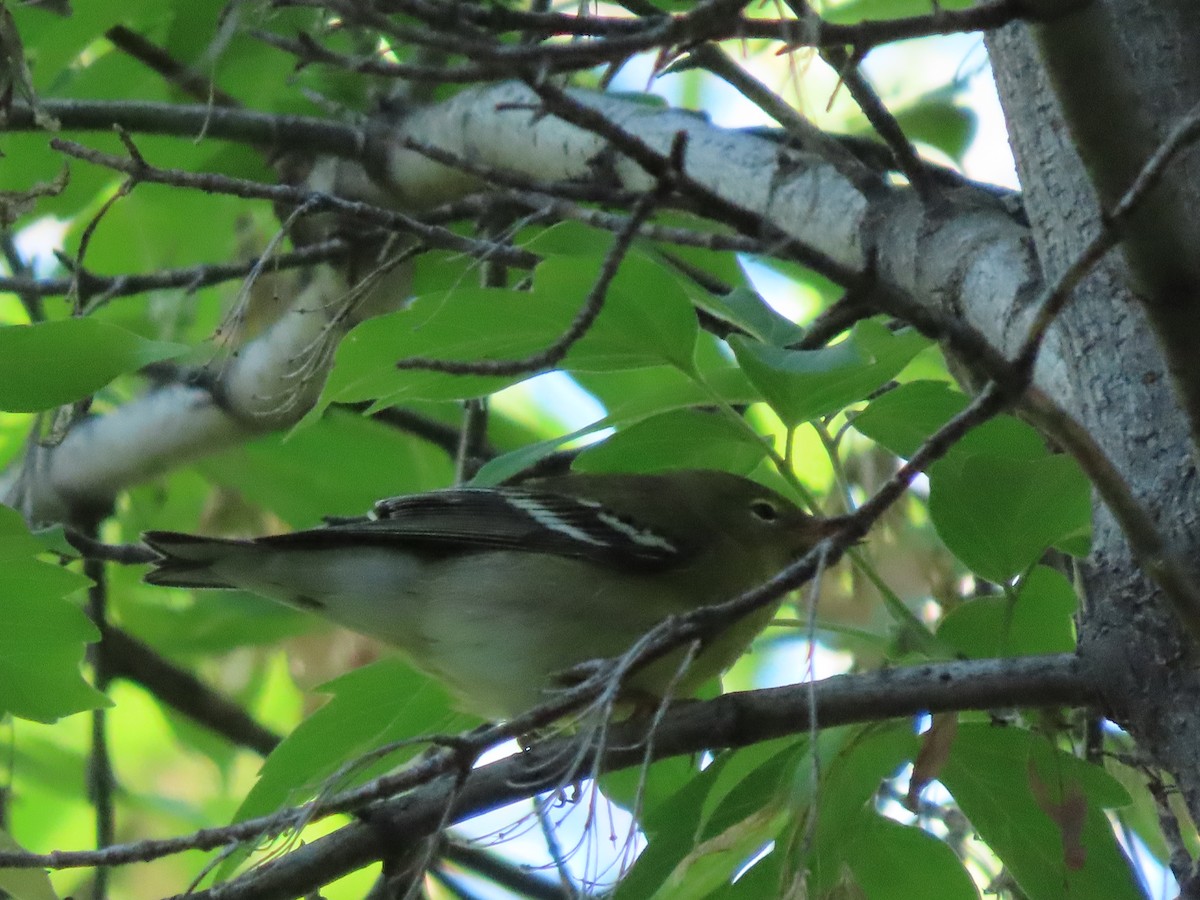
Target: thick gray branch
<point>967,255</point>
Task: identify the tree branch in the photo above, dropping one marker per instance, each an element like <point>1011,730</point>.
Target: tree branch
<point>730,721</point>
<point>269,130</point>
<point>179,689</point>
<point>734,720</point>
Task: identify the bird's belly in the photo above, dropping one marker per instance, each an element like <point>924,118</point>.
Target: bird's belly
<point>368,589</point>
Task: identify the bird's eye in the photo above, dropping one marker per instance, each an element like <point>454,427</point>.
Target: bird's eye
<point>764,510</point>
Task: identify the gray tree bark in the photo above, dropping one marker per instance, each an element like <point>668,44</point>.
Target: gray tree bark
<point>1119,378</point>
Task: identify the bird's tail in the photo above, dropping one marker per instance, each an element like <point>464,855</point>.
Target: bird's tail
<point>187,559</point>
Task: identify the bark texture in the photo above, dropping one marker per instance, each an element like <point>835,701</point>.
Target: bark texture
<point>1117,374</point>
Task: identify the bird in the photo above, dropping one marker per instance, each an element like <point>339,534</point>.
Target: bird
<point>502,593</point>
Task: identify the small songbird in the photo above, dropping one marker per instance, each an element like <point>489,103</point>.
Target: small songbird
<point>500,592</point>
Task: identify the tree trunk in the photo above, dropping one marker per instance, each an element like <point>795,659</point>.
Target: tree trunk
<point>1117,376</point>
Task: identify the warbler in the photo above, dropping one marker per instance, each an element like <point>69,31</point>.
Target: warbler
<point>500,592</point>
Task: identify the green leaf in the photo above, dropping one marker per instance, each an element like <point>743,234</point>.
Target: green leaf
<point>41,644</point>
<point>891,861</point>
<point>1040,619</point>
<point>670,834</point>
<point>54,540</point>
<point>745,308</point>
<point>384,702</point>
<point>763,879</point>
<point>989,774</point>
<point>752,779</point>
<point>211,622</point>
<point>850,781</point>
<point>646,788</point>
<point>469,324</point>
<point>715,268</point>
<point>52,363</point>
<point>902,419</point>
<point>372,460</point>
<point>142,230</point>
<point>855,11</point>
<point>630,396</point>
<point>24,884</point>
<point>17,543</point>
<point>999,515</point>
<point>506,465</point>
<point>681,439</point>
<point>55,42</point>
<point>569,239</point>
<point>805,384</point>
<point>1143,815</point>
<point>635,394</point>
<point>711,865</point>
<point>733,806</point>
<point>647,320</point>
<point>938,119</point>
<point>371,706</point>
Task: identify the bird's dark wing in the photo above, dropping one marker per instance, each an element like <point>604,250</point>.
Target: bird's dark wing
<point>465,520</point>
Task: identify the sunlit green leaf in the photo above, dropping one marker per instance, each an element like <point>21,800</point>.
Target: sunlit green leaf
<point>804,384</point>
<point>373,461</point>
<point>853,11</point>
<point>753,778</point>
<point>42,642</point>
<point>52,363</point>
<point>683,439</point>
<point>24,884</point>
<point>746,309</point>
<point>370,707</point>
<point>903,418</point>
<point>646,320</point>
<point>630,396</point>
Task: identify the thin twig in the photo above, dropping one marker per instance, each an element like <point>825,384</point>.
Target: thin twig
<point>171,69</point>
<point>903,152</point>
<point>183,692</point>
<point>562,105</point>
<point>308,52</point>
<point>550,356</point>
<point>711,20</point>
<point>190,279</point>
